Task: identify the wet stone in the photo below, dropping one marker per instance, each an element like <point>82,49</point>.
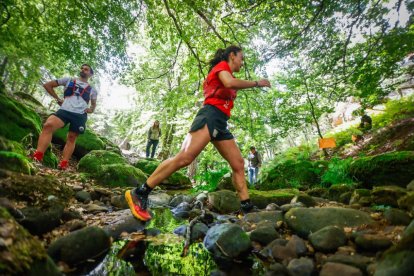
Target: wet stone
<point>301,267</point>
<point>328,239</point>
<point>397,217</point>
<point>370,242</point>
<point>330,269</point>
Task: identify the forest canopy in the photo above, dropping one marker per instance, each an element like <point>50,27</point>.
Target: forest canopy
<point>318,52</point>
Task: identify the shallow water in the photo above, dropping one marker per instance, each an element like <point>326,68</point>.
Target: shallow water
<point>162,254</point>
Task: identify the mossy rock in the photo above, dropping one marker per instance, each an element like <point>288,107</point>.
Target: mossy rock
<point>291,174</point>
<point>335,191</point>
<point>262,198</point>
<point>85,142</point>
<point>387,195</point>
<point>15,162</point>
<point>33,189</point>
<point>357,194</point>
<point>318,192</point>
<point>110,146</point>
<point>21,253</point>
<point>93,161</point>
<point>18,121</point>
<point>120,175</point>
<point>393,168</point>
<point>177,180</point>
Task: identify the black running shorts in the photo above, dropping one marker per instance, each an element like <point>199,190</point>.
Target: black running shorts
<point>216,122</point>
<point>76,121</point>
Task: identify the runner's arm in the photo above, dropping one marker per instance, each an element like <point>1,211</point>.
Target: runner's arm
<point>49,88</point>
<point>229,82</point>
<point>93,106</point>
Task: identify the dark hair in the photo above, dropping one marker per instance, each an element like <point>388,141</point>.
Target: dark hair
<point>85,64</point>
<point>223,54</point>
<point>252,148</point>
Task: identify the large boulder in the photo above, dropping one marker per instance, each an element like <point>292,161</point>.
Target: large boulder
<point>121,175</point>
<point>177,180</point>
<point>304,221</point>
<point>93,161</point>
<point>18,121</point>
<point>392,168</point>
<point>85,142</point>
<point>21,253</point>
<point>291,173</point>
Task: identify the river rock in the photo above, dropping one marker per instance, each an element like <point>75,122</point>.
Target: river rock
<point>227,240</point>
<point>387,195</point>
<point>83,196</point>
<point>301,267</point>
<point>335,191</point>
<point>264,233</point>
<point>330,269</point>
<point>307,200</point>
<point>159,199</point>
<point>176,200</point>
<point>328,239</point>
<point>124,221</point>
<point>355,260</point>
<point>304,221</point>
<point>119,201</point>
<point>39,222</point>
<point>407,202</point>
<point>369,242</point>
<point>273,216</point>
<point>79,246</point>
<point>182,210</point>
<point>357,194</point>
<point>397,217</point>
<point>224,201</point>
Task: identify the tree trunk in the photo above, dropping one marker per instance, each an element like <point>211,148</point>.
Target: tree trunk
<point>192,169</point>
<point>167,142</point>
<point>3,67</point>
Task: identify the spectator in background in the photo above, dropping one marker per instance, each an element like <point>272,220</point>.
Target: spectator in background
<point>255,161</point>
<point>154,134</point>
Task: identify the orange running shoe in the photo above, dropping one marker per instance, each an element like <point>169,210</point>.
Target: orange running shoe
<point>138,205</point>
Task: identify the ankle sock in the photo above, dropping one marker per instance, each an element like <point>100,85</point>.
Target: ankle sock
<point>144,189</point>
<point>246,204</point>
<point>38,155</point>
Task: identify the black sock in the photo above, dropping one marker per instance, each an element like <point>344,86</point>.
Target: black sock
<point>144,189</point>
<point>245,202</point>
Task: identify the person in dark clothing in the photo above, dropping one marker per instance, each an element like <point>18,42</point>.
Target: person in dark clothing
<point>255,161</point>
<point>210,125</point>
<point>154,134</point>
<point>366,122</point>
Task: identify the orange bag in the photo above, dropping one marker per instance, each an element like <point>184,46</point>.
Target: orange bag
<point>327,143</point>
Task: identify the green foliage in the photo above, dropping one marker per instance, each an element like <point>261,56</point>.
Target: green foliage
<point>344,137</point>
<point>164,220</point>
<point>394,110</point>
<point>164,258</point>
<point>208,180</point>
<point>337,172</point>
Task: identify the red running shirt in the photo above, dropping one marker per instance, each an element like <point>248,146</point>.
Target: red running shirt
<point>214,91</point>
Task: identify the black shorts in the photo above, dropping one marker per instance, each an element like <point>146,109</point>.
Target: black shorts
<point>76,121</point>
<point>216,122</point>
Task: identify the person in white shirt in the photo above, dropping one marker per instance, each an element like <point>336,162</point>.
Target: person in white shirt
<point>79,100</point>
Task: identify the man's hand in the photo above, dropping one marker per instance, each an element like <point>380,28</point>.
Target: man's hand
<point>89,110</point>
<point>59,101</point>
